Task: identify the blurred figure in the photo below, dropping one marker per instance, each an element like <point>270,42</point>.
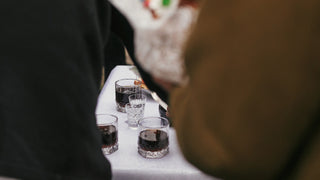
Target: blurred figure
<point>52,53</point>
<point>251,107</point>
<point>51,59</point>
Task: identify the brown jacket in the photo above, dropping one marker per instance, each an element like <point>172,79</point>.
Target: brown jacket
<point>254,89</point>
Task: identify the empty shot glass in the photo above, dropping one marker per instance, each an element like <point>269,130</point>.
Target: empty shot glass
<point>108,126</point>
<point>134,114</point>
<point>124,88</point>
<point>153,140</point>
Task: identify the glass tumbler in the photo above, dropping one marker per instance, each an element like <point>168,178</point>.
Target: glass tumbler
<point>108,126</point>
<point>124,88</point>
<point>153,140</point>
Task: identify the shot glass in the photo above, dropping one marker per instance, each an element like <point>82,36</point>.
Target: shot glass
<point>134,114</point>
<point>108,126</point>
<point>153,140</point>
<point>125,88</point>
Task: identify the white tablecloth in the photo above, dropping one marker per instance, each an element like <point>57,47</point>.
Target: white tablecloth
<point>126,163</point>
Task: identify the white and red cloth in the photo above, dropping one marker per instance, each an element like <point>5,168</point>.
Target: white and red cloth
<point>159,41</point>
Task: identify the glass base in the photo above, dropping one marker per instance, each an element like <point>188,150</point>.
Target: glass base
<point>110,150</point>
<point>153,154</point>
<point>132,125</point>
<point>121,109</point>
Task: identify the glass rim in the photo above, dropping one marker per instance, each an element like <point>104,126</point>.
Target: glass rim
<point>154,117</point>
<point>127,79</point>
<point>108,114</point>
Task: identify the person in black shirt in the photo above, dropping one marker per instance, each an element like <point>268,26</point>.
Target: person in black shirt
<point>51,59</point>
<point>51,56</point>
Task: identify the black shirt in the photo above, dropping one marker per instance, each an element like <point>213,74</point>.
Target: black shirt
<point>51,54</point>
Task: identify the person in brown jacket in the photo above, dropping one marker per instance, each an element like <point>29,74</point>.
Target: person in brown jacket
<point>251,108</point>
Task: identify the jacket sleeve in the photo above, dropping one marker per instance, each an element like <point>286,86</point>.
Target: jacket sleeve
<point>253,87</point>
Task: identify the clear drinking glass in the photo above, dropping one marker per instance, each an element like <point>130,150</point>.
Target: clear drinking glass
<point>153,137</point>
<point>108,126</point>
<point>134,114</point>
<point>135,109</point>
<point>125,88</point>
<point>137,99</point>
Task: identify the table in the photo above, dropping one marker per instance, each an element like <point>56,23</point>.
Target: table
<point>126,163</point>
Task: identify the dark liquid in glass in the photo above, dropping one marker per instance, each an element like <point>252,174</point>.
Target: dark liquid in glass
<point>153,140</point>
<point>109,135</point>
<point>123,93</point>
